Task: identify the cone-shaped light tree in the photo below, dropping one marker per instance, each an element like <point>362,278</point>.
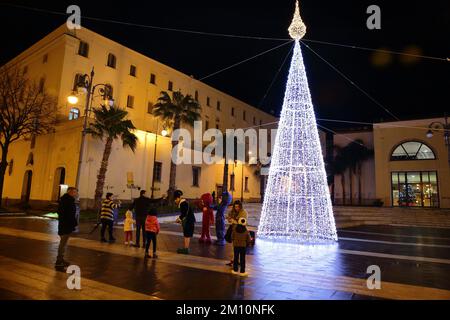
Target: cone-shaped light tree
<point>297,205</point>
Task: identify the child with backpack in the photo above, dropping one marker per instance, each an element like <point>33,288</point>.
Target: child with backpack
<point>151,231</point>
<point>241,240</point>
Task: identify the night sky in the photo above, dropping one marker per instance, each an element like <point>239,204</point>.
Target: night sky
<point>408,87</point>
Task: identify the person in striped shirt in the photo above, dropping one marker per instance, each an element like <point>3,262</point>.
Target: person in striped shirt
<point>107,217</point>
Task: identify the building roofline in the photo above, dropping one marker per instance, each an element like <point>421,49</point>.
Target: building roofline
<point>399,122</point>
<point>62,30</point>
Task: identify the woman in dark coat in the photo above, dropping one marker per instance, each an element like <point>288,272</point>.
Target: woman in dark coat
<point>187,220</point>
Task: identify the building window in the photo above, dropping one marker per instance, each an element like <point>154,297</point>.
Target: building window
<point>45,58</point>
<point>150,107</point>
<point>260,122</point>
<point>30,160</point>
<point>112,61</point>
<point>232,111</point>
<point>217,127</point>
<point>33,141</point>
<point>206,125</point>
<point>246,184</point>
<point>196,95</point>
<point>170,86</point>
<point>157,169</point>
<point>133,71</point>
<point>41,85</point>
<point>25,70</point>
<point>244,115</point>
<point>208,101</point>
<point>415,189</point>
<point>218,105</point>
<point>196,176</point>
<point>232,179</point>
<point>10,167</point>
<point>412,150</point>
<point>130,101</point>
<point>74,114</point>
<point>254,120</point>
<point>152,78</point>
<point>83,49</point>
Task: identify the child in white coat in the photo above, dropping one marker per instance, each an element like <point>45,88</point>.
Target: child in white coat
<point>128,227</point>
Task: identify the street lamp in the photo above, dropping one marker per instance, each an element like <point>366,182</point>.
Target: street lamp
<point>85,85</point>
<point>164,133</point>
<point>72,99</point>
<point>445,126</point>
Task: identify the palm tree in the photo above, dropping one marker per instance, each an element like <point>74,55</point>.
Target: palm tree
<point>110,124</point>
<point>339,167</point>
<point>357,153</point>
<point>176,110</point>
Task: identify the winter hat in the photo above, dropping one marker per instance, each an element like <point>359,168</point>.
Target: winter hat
<point>108,195</point>
<point>242,221</point>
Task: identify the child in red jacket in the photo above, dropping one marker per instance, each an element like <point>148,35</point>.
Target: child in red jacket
<point>208,217</point>
<point>151,231</point>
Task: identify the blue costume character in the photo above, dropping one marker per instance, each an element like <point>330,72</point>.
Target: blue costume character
<point>220,218</point>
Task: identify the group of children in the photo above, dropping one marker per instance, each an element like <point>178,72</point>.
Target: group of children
<point>151,230</point>
<point>239,234</point>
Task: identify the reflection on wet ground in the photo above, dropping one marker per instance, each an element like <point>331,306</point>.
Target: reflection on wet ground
<point>414,263</point>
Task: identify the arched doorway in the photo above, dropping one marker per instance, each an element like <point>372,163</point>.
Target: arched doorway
<point>26,186</point>
<point>58,181</point>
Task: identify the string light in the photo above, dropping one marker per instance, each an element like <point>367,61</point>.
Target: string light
<point>297,205</point>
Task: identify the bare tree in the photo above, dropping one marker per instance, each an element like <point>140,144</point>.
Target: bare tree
<point>26,110</point>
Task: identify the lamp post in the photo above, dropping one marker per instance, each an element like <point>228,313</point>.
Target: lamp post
<point>164,133</point>
<point>86,82</point>
<point>445,126</point>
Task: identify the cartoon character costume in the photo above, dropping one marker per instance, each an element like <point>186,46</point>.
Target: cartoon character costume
<point>208,217</point>
<point>220,218</point>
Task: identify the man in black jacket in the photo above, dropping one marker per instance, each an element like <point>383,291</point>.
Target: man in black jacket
<point>67,222</point>
<point>141,206</point>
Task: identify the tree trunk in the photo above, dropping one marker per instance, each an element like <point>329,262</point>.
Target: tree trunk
<point>332,193</point>
<point>359,184</point>
<point>343,188</point>
<point>350,184</point>
<point>173,166</point>
<point>225,177</point>
<point>102,173</point>
<point>262,186</point>
<point>3,166</point>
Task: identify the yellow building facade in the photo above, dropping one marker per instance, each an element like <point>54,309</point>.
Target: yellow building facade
<point>410,168</point>
<point>39,168</point>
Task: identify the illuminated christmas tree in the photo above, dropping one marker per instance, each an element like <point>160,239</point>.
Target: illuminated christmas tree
<point>297,205</point>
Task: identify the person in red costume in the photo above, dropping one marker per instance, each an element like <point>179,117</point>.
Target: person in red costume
<point>206,201</point>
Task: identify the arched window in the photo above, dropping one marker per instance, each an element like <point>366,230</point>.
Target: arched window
<point>412,150</point>
<point>74,114</point>
<point>111,61</point>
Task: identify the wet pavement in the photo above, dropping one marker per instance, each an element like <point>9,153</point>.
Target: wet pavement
<point>414,263</point>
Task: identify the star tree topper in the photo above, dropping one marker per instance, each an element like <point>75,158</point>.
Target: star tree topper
<point>297,29</point>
